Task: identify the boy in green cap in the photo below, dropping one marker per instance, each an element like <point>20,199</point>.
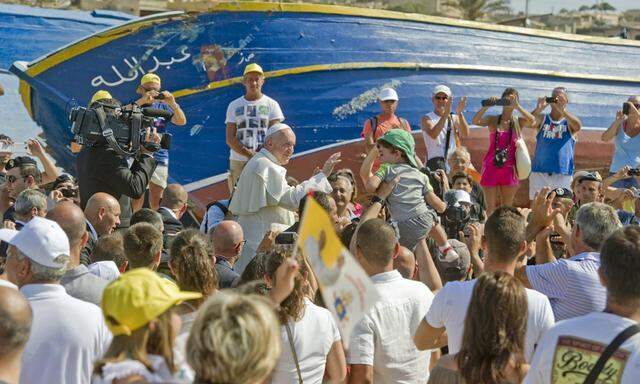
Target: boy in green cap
<point>411,203</point>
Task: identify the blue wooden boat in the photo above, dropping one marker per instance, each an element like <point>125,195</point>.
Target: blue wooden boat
<point>324,64</point>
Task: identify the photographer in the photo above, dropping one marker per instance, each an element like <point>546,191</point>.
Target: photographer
<point>499,178</point>
<point>64,188</point>
<point>103,169</point>
<point>624,130</point>
<point>154,97</point>
<point>555,143</point>
<point>460,212</point>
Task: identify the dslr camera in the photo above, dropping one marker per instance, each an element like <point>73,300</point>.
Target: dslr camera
<point>457,216</point>
<point>121,128</point>
<point>500,157</point>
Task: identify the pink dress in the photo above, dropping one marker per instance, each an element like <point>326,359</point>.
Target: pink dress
<point>493,176</point>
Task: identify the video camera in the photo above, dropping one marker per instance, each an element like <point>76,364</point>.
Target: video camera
<point>456,217</point>
<point>122,128</point>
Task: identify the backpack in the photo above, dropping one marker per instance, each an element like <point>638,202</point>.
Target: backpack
<point>374,125</point>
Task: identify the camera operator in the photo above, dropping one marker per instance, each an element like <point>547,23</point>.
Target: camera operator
<point>460,212</point>
<point>64,188</point>
<point>102,169</point>
<point>154,97</point>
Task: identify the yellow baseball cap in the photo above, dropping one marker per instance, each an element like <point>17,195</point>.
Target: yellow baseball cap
<point>137,297</point>
<point>150,78</point>
<point>100,95</point>
<point>253,67</point>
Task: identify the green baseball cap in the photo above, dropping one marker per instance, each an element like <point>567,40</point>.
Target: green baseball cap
<point>402,141</point>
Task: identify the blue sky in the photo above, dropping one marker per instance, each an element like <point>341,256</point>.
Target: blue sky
<point>546,6</point>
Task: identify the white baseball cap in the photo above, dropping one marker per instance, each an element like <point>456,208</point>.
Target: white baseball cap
<point>41,240</point>
<point>442,89</point>
<point>462,196</point>
<point>388,94</point>
<point>275,128</point>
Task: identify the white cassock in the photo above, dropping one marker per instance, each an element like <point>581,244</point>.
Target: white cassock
<point>264,201</point>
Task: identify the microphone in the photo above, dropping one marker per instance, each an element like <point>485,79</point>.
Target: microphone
<point>154,112</point>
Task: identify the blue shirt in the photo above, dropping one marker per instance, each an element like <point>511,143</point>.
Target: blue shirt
<point>572,285</point>
<point>627,151</point>
<point>161,155</point>
<point>628,218</point>
<point>554,148</point>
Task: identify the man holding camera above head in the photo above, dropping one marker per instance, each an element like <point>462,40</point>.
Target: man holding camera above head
<point>102,169</point>
<point>443,130</point>
<point>624,130</point>
<point>552,164</point>
<point>154,97</point>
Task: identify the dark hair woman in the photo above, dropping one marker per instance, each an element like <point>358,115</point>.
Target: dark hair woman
<point>493,339</point>
<point>499,177</point>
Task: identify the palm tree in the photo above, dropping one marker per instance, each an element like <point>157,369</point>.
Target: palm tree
<point>478,9</point>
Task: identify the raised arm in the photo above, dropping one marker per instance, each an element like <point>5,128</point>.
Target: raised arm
<point>370,181</point>
<point>50,171</point>
<point>464,126</point>
<point>527,119</point>
<point>433,128</point>
<point>612,131</point>
<point>537,112</point>
<point>479,119</point>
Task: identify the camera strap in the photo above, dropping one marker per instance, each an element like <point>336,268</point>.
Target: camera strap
<point>623,336</point>
<point>495,138</point>
<point>446,140</point>
<point>107,133</point>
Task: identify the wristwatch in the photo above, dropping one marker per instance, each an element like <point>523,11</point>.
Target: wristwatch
<point>377,199</point>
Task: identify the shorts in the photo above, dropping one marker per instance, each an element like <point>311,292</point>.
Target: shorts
<point>160,176</point>
<point>415,229</point>
<point>539,180</point>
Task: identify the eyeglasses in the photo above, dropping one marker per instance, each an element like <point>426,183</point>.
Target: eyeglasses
<point>441,97</point>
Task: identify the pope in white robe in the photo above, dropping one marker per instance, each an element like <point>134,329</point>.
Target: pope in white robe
<point>263,200</point>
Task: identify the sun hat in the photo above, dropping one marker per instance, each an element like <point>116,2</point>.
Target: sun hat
<point>41,240</point>
<point>137,297</point>
<point>442,89</point>
<point>388,94</point>
<point>403,141</point>
<point>100,95</point>
<point>253,67</point>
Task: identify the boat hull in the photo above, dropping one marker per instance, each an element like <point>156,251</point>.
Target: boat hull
<point>324,66</point>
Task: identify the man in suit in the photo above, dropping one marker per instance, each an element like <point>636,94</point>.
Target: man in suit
<point>172,207</point>
<point>227,239</point>
<point>102,213</point>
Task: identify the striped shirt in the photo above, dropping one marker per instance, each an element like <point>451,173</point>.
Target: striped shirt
<point>572,285</point>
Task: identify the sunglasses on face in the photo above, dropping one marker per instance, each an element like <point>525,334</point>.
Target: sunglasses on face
<point>11,179</point>
<point>442,97</point>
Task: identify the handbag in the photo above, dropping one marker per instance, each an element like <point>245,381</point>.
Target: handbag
<point>609,351</point>
<point>523,160</point>
<point>293,352</point>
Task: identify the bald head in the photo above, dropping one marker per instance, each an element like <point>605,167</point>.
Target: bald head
<point>103,212</point>
<point>174,197</point>
<point>71,219</point>
<point>15,321</point>
<point>405,262</point>
<point>226,237</point>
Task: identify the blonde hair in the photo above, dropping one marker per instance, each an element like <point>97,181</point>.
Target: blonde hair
<point>234,339</point>
<point>142,342</point>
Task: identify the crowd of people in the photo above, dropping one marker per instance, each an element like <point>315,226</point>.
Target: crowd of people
<point>98,285</point>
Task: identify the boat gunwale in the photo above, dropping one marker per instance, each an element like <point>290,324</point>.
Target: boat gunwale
<point>88,43</point>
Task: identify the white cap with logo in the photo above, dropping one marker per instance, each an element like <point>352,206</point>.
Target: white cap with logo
<point>275,128</point>
<point>388,94</point>
<point>442,89</point>
<point>41,240</point>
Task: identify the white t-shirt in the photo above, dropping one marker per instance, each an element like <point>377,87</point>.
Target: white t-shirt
<point>435,147</point>
<point>126,368</point>
<point>449,310</point>
<point>313,336</point>
<point>384,337</point>
<point>67,336</point>
<point>569,349</point>
<point>252,120</point>
<point>8,284</point>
